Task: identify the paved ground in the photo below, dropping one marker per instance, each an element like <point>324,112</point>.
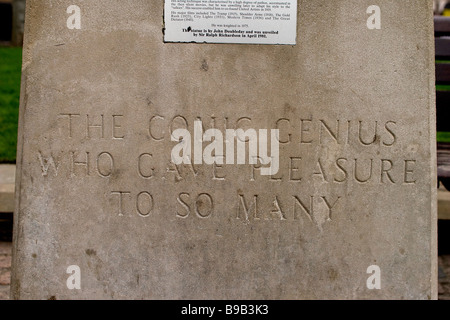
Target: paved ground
<point>444,277</point>
<point>5,273</point>
<point>5,269</point>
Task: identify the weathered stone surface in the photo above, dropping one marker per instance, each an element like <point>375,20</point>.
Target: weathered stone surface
<point>355,109</point>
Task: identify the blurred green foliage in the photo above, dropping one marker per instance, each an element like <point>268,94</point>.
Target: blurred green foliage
<point>10,73</point>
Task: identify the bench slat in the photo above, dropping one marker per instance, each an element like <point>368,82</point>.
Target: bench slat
<point>442,73</point>
<point>441,24</point>
<point>443,110</point>
<point>442,47</point>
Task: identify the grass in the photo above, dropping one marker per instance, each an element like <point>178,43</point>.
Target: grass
<point>443,136</point>
<point>10,72</point>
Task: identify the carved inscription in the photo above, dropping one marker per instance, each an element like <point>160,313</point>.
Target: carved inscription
<point>323,152</point>
<point>286,208</point>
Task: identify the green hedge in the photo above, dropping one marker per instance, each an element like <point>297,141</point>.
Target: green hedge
<point>10,72</point>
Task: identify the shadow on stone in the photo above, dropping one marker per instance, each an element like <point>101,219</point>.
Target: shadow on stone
<point>6,226</point>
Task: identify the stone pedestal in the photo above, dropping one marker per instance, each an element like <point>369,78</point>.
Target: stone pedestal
<point>103,213</point>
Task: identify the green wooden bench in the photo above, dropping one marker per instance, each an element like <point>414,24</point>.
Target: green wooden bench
<point>442,45</point>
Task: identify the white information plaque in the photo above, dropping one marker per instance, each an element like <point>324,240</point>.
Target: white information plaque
<point>231,21</point>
